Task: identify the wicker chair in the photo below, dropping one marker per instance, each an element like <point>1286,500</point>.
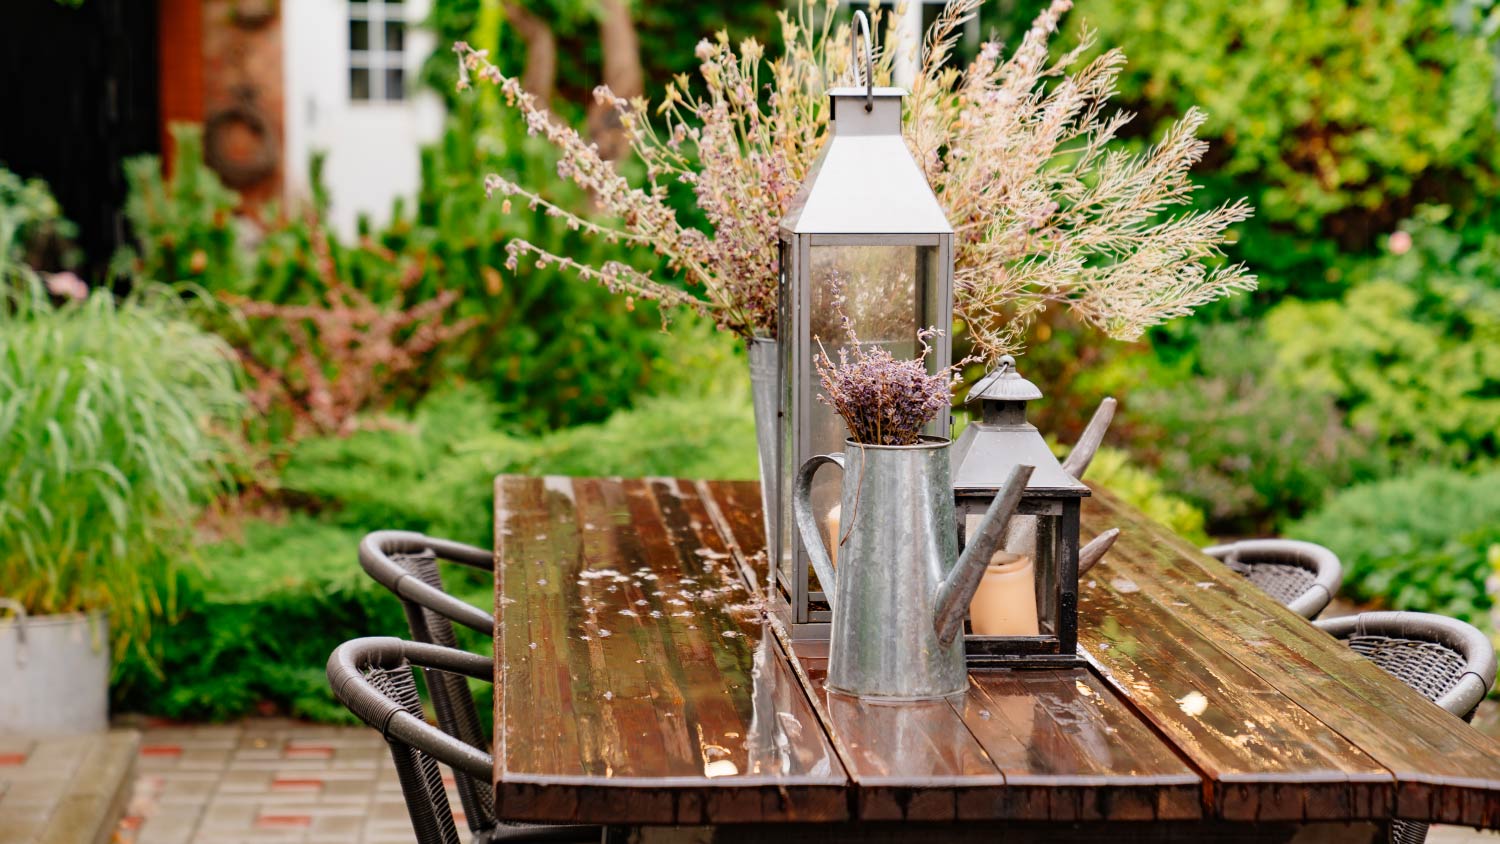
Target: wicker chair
<point>1301,576</point>
<point>406,563</point>
<point>373,678</point>
<point>1449,662</point>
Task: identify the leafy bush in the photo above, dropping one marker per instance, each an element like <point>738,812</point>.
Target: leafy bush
<point>434,471</point>
<point>185,225</point>
<point>1413,351</point>
<point>1418,542</point>
<point>553,351</point>
<point>1249,451</point>
<point>107,450</point>
<point>1344,111</point>
<point>31,222</point>
<point>259,621</point>
<point>1112,470</point>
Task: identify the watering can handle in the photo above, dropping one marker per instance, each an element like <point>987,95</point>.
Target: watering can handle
<point>807,523</point>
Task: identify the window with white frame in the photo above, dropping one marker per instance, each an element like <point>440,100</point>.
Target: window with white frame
<point>377,50</point>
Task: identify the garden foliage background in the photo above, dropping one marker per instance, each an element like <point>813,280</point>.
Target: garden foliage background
<point>1353,400</point>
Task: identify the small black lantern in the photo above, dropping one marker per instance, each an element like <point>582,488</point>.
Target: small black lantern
<point>1017,620</point>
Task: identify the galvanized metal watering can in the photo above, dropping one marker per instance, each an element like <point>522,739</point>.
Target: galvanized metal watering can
<point>901,590</point>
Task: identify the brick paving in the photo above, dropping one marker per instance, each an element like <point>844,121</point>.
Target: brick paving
<point>274,779</point>
<point>265,779</point>
<point>63,789</point>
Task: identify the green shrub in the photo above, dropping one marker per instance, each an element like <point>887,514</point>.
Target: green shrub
<point>434,470</point>
<point>30,220</point>
<point>553,350</point>
<point>1413,351</point>
<point>1247,450</point>
<point>107,450</point>
<point>1417,542</point>
<point>1341,110</point>
<point>259,620</point>
<point>1113,471</point>
<point>184,225</point>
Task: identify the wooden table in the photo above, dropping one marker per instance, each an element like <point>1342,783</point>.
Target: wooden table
<point>639,683</point>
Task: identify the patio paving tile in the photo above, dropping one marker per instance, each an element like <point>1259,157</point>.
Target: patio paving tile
<point>64,789</point>
<point>264,780</point>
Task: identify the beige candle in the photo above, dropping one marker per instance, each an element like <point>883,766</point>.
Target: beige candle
<point>1005,603</point>
<point>833,533</point>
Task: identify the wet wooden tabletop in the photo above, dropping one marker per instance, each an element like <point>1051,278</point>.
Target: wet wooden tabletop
<point>639,683</point>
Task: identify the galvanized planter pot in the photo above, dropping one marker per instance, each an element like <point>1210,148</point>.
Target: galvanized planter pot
<point>765,393</point>
<point>56,670</point>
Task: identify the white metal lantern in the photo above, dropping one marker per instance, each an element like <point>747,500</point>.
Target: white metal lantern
<point>866,219</point>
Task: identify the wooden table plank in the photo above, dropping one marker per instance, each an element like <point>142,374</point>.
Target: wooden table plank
<point>1444,771</point>
<point>1070,749</point>
<point>1265,758</point>
<point>638,684</point>
<point>909,761</point>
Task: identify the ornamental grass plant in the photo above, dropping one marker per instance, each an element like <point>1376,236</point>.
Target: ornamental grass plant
<point>1051,208</point>
<point>115,418</point>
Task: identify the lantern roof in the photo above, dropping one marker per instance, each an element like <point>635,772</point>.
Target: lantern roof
<point>1001,438</point>
<point>865,181</point>
<point>1003,384</point>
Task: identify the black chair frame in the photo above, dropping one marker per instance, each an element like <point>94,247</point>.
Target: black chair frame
<point>1447,661</point>
<point>373,678</point>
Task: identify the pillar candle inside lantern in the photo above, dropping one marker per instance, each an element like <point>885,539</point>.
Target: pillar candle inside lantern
<point>1005,603</point>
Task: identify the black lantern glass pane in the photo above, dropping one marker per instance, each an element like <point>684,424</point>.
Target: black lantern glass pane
<point>1048,534</point>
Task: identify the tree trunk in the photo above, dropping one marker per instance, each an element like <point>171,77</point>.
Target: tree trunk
<point>622,74</point>
<point>540,77</point>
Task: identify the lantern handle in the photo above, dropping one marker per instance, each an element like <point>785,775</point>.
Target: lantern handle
<point>863,28</point>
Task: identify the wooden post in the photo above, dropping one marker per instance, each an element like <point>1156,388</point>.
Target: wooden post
<point>179,66</point>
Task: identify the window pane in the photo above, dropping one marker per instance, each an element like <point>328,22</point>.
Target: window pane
<point>395,83</point>
<point>359,83</point>
<point>359,35</point>
<point>395,36</point>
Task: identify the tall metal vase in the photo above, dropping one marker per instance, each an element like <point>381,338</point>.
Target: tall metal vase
<point>765,389</point>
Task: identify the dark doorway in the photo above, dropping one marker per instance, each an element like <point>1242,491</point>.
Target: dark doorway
<point>79,95</point>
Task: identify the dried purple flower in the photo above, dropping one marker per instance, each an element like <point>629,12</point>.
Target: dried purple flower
<point>883,400</point>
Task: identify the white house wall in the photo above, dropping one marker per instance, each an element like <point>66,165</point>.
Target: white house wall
<point>372,147</point>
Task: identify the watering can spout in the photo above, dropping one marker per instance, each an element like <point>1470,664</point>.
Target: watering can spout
<point>957,590</point>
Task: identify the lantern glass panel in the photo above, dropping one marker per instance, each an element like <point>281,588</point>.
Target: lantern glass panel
<point>1044,561</point>
<point>1047,522</point>
<point>886,289</point>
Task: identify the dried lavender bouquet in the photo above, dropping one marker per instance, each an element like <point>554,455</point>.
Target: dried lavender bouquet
<point>884,400</point>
